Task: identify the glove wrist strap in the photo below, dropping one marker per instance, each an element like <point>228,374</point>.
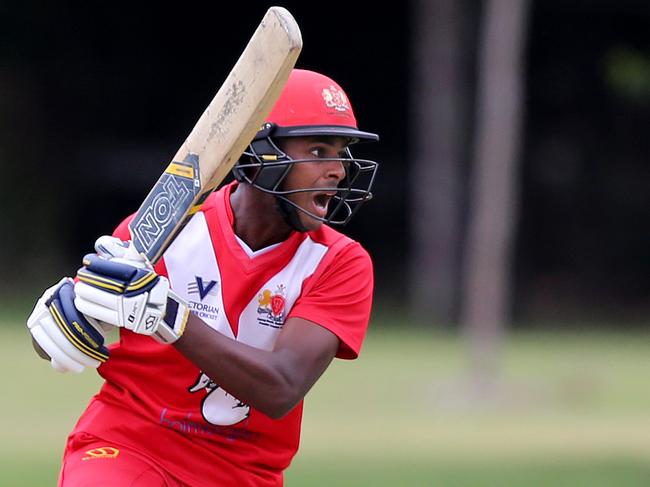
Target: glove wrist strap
<point>173,324</point>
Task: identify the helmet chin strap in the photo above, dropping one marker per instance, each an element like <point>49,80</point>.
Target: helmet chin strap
<point>289,214</point>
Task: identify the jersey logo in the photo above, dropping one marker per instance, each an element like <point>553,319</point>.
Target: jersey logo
<point>205,311</point>
<point>270,309</point>
<point>218,407</point>
<point>198,286</point>
<point>103,452</point>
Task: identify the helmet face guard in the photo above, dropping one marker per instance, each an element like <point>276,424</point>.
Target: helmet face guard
<point>265,167</point>
<point>310,104</point>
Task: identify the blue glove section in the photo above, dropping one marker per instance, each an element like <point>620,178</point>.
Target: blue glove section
<point>116,277</point>
<point>74,325</point>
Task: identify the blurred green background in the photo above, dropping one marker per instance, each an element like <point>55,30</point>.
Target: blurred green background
<point>509,341</point>
<point>573,409</point>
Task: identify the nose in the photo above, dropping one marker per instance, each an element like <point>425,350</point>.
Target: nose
<point>334,170</point>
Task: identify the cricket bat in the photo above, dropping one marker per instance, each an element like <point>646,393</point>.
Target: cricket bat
<point>221,134</point>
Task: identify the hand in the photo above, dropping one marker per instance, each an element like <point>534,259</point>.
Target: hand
<point>69,340</point>
<point>127,292</point>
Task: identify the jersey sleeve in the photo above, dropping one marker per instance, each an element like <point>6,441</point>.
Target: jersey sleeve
<point>122,231</point>
<point>339,298</point>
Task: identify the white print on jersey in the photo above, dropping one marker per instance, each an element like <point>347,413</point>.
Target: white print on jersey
<point>194,274</point>
<point>219,407</point>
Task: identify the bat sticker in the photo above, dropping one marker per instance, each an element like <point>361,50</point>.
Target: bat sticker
<point>167,204</point>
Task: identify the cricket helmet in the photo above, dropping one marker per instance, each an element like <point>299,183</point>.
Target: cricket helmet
<point>310,104</point>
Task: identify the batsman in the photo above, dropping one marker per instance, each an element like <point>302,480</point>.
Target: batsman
<point>223,337</point>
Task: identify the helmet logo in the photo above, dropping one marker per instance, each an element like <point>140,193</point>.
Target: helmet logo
<point>335,98</point>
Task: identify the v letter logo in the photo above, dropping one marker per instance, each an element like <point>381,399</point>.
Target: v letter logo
<point>203,289</point>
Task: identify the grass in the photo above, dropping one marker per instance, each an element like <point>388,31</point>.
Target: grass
<point>587,473</point>
<point>567,409</point>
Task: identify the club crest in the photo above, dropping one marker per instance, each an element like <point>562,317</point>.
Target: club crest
<point>336,99</point>
<point>271,306</point>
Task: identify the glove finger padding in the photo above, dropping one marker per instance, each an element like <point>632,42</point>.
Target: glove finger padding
<point>116,277</point>
<point>140,313</point>
<point>72,341</point>
<point>108,246</point>
<point>121,293</point>
<point>97,303</point>
<point>130,295</point>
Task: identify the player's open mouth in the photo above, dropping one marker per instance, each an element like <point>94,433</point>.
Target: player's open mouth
<point>321,202</point>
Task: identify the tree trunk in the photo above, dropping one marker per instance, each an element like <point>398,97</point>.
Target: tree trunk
<point>437,109</point>
<point>493,203</point>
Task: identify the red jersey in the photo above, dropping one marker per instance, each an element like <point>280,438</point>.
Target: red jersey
<point>157,401</point>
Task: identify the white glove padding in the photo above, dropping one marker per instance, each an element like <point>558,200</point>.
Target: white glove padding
<point>108,246</point>
<point>71,340</point>
<point>129,294</point>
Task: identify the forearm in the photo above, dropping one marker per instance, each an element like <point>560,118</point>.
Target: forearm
<point>262,379</point>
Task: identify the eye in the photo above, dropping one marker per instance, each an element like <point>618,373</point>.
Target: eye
<point>321,151</point>
<point>317,152</point>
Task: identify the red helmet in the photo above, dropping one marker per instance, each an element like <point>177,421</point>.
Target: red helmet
<point>313,104</point>
<point>310,104</point>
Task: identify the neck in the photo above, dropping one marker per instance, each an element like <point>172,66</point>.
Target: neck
<point>257,220</point>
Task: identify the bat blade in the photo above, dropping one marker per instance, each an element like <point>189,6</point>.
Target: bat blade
<point>221,134</point>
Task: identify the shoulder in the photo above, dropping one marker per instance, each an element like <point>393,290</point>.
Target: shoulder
<point>338,296</point>
<point>122,230</point>
<point>346,261</point>
<point>340,245</point>
<point>216,197</point>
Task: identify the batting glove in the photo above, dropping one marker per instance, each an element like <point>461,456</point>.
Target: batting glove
<point>71,341</point>
<point>129,294</point>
